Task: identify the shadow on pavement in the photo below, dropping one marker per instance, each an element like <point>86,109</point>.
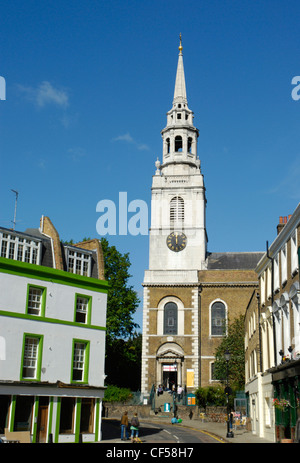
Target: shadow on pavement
<point>111,429</point>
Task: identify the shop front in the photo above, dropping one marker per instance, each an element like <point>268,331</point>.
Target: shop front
<point>286,383</point>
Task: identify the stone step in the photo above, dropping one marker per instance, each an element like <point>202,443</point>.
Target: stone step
<point>162,399</point>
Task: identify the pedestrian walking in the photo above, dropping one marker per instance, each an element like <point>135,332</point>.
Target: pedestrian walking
<point>124,426</point>
<point>134,427</point>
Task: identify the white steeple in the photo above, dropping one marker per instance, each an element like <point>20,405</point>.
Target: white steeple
<point>180,89</point>
<point>178,201</point>
<point>180,135</point>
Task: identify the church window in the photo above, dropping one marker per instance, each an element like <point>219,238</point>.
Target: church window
<point>218,319</point>
<point>170,318</point>
<point>190,141</point>
<point>176,212</point>
<point>178,143</point>
<point>179,116</point>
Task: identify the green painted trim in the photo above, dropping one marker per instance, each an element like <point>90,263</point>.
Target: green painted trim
<point>40,272</point>
<point>49,320</point>
<point>50,418</point>
<point>77,419</point>
<point>89,310</point>
<point>97,411</point>
<point>43,305</point>
<point>57,424</point>
<point>35,418</point>
<point>86,361</point>
<point>39,357</point>
<point>12,413</point>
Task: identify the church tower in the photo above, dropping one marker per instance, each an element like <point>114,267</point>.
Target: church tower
<point>177,251</point>
<point>190,294</point>
<point>178,235</point>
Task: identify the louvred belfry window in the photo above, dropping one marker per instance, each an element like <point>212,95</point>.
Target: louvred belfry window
<point>176,212</point>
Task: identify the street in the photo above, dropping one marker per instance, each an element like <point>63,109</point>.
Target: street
<point>156,433</point>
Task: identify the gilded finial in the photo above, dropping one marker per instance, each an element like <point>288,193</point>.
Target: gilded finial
<point>180,45</point>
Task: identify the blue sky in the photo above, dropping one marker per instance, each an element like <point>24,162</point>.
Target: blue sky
<point>88,85</point>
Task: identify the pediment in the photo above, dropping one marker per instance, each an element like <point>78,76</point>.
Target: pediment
<point>169,350</point>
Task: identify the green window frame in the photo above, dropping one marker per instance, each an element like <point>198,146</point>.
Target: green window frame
<point>80,361</point>
<point>36,300</point>
<point>31,360</point>
<point>83,309</point>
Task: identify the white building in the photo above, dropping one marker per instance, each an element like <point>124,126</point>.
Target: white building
<point>53,301</point>
<point>273,336</point>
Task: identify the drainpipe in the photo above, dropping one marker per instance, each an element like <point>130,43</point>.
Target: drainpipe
<point>259,332</point>
<point>200,334</point>
<point>272,301</point>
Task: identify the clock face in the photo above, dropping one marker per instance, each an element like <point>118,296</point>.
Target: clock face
<point>176,241</point>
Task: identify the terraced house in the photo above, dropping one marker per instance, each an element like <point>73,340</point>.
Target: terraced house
<point>53,300</point>
<point>272,341</point>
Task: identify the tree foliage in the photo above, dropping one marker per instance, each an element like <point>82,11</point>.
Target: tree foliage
<point>123,343</point>
<point>122,300</point>
<point>123,362</point>
<point>210,395</point>
<point>117,394</point>
<point>234,343</point>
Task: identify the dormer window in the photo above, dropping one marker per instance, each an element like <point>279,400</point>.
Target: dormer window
<point>79,262</point>
<point>18,248</point>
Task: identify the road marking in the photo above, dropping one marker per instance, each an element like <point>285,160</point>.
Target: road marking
<point>204,432</point>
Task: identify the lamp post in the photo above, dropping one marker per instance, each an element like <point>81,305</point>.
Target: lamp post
<point>227,392</point>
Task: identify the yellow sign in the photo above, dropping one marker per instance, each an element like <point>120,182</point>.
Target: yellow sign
<point>190,378</point>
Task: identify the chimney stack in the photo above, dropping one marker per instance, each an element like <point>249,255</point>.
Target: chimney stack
<point>282,222</point>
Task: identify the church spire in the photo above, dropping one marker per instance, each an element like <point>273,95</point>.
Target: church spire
<point>180,89</point>
<point>180,135</point>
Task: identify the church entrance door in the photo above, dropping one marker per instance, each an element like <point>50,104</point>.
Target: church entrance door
<point>170,376</point>
<point>169,379</point>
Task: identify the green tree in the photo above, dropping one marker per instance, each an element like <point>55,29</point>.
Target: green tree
<point>123,362</point>
<point>117,394</point>
<point>122,300</point>
<point>233,341</point>
<point>210,395</point>
<point>123,343</point>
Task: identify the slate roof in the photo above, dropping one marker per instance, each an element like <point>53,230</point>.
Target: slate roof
<point>233,260</point>
<point>46,249</point>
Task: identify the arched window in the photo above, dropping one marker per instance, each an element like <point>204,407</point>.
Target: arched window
<point>190,143</point>
<point>178,143</point>
<point>218,319</point>
<point>176,212</point>
<point>170,318</point>
<point>168,145</point>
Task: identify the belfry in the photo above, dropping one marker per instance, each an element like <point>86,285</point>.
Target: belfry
<point>188,292</point>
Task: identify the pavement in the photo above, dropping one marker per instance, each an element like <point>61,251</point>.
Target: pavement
<point>216,430</point>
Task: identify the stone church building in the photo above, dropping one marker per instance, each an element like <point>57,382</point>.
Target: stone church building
<point>189,292</point>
